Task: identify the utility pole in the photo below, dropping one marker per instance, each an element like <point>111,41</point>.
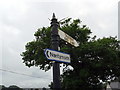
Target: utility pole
<point>54,45</point>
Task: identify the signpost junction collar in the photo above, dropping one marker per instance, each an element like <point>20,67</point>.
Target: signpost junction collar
<point>54,20</point>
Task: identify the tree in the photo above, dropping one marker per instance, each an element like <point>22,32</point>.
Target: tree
<point>12,87</point>
<point>2,86</point>
<point>92,62</point>
<point>97,60</point>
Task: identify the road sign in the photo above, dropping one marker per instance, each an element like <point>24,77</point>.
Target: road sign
<point>67,38</point>
<point>57,56</point>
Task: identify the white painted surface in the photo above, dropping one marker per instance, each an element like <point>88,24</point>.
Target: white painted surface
<point>115,85</point>
<point>108,87</point>
<point>67,38</point>
<point>57,56</point>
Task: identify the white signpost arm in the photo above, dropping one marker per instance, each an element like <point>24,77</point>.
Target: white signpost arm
<point>67,38</point>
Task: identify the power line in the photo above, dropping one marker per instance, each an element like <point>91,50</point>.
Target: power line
<point>21,73</point>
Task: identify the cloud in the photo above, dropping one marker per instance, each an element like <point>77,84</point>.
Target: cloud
<point>100,16</point>
<point>21,18</point>
<point>26,81</point>
<point>119,20</point>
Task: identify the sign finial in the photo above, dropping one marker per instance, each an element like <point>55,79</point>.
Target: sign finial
<point>53,15</point>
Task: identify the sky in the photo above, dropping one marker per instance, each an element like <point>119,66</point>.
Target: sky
<point>20,19</point>
<point>119,20</point>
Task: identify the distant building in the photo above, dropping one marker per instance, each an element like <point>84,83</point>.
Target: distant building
<point>115,85</point>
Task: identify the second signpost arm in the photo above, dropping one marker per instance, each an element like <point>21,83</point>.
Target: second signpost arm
<point>54,46</point>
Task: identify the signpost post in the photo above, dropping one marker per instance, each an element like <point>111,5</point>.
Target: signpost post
<point>54,55</point>
<point>54,46</point>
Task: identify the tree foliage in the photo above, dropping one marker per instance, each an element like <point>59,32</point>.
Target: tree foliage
<point>93,61</point>
<point>12,87</point>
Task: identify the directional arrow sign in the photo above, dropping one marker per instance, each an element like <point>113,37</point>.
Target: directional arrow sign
<point>68,38</point>
<point>57,56</point>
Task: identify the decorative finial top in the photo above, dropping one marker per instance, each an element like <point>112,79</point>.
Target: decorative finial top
<point>53,15</point>
<point>54,20</point>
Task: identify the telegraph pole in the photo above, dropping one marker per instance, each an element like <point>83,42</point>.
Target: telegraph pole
<point>54,45</point>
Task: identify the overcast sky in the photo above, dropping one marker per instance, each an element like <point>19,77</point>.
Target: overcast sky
<point>19,19</point>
